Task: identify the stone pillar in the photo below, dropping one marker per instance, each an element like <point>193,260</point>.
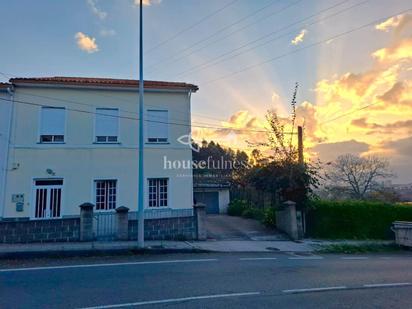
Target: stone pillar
<point>200,217</point>
<point>122,223</point>
<point>286,220</point>
<point>86,222</point>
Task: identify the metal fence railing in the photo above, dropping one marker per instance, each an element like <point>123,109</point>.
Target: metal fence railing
<point>104,225</point>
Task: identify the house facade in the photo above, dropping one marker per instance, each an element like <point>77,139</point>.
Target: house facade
<point>65,141</point>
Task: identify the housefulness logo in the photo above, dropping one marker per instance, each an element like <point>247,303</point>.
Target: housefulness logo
<point>188,141</point>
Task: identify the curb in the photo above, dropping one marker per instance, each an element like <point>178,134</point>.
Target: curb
<point>94,252</point>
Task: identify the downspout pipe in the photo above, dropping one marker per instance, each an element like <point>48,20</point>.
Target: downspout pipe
<point>10,91</point>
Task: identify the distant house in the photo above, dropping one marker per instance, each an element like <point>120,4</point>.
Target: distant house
<point>69,140</point>
<point>214,194</point>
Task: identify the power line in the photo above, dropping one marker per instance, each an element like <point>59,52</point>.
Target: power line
<point>134,118</point>
<point>230,54</point>
<point>191,26</point>
<point>247,68</point>
<point>218,32</point>
<point>182,56</point>
<point>348,113</point>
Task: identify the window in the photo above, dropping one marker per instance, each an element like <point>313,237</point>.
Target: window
<point>157,126</point>
<point>52,125</point>
<point>107,125</point>
<point>158,192</point>
<point>105,194</point>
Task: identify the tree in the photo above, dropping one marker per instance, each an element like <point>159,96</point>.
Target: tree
<point>281,173</point>
<point>221,164</point>
<point>359,175</point>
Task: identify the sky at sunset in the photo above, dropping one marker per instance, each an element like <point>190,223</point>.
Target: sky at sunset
<point>352,60</point>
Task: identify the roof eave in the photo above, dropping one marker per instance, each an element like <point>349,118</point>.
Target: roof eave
<point>101,87</point>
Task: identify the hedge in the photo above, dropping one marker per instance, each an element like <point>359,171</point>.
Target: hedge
<point>242,208</point>
<point>354,219</point>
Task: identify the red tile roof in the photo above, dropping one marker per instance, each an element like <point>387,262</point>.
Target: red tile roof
<point>104,82</point>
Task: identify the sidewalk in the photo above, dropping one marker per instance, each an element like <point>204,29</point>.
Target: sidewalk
<point>39,249</point>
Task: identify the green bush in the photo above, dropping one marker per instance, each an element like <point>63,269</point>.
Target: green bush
<point>269,217</point>
<point>253,213</point>
<point>237,207</point>
<point>354,219</point>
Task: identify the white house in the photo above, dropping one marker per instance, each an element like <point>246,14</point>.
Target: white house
<point>69,140</point>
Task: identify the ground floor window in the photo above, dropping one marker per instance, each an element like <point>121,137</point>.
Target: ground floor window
<point>158,191</point>
<point>106,194</point>
<point>48,198</point>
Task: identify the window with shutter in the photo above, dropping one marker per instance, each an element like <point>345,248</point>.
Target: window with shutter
<point>107,125</point>
<point>157,126</point>
<point>52,124</point>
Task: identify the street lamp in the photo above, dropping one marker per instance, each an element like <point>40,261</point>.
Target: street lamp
<point>140,200</point>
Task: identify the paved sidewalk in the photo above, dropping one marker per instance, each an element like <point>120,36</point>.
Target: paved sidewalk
<point>74,248</point>
<point>7,250</point>
<point>252,246</point>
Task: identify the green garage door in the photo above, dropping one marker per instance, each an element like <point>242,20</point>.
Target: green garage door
<point>211,199</point>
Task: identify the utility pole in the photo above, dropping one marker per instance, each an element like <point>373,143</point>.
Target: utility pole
<point>300,144</point>
<point>140,201</point>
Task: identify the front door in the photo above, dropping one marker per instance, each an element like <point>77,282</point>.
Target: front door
<point>48,195</point>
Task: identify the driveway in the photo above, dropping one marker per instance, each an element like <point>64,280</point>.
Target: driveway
<point>224,227</point>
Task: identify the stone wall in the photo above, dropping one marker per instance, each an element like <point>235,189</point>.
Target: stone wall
<point>179,228</point>
<point>56,230</point>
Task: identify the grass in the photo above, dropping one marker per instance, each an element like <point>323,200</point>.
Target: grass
<point>363,248</point>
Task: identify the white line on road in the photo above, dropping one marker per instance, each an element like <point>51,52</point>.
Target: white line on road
<point>107,265</point>
<point>175,300</point>
<point>306,258</point>
<point>382,285</point>
<point>329,288</point>
<point>354,258</point>
<point>257,259</point>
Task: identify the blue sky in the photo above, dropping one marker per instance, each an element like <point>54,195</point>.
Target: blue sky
<point>38,39</point>
<point>41,42</point>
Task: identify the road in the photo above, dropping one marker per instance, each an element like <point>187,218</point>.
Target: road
<point>210,281</point>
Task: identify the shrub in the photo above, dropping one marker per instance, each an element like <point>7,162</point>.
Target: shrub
<point>269,217</point>
<point>354,219</point>
<point>253,213</point>
<point>236,207</point>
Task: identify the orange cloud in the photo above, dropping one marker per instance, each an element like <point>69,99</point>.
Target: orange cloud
<point>397,23</point>
<point>400,51</point>
<point>147,2</point>
<point>86,43</point>
<point>299,38</point>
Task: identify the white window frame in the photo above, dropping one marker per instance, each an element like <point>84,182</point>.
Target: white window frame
<point>154,198</point>
<point>116,188</point>
<point>54,138</point>
<point>106,139</point>
<point>157,139</point>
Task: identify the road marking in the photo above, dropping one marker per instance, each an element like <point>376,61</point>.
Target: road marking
<point>329,288</point>
<point>354,258</point>
<point>108,265</point>
<point>382,285</point>
<point>306,258</point>
<point>257,259</point>
<point>175,300</point>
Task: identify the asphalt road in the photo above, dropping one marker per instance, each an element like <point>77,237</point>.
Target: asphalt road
<point>210,281</point>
